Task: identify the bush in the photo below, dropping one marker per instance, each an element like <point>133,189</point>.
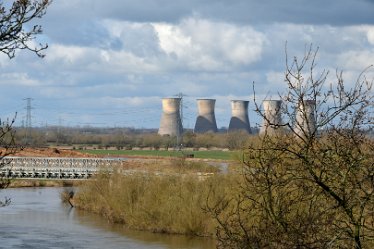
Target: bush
<point>167,204</point>
<point>311,185</point>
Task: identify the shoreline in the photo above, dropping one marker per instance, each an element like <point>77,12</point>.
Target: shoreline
<point>31,183</point>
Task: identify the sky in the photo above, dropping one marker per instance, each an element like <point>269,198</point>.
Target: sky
<point>109,63</point>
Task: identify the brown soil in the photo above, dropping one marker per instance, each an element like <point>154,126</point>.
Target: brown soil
<point>49,152</point>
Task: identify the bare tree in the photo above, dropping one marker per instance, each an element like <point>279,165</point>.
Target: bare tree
<point>14,35</point>
<point>15,16</point>
<point>311,185</point>
<point>7,147</point>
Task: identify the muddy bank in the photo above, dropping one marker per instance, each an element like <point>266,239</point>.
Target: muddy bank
<point>29,183</point>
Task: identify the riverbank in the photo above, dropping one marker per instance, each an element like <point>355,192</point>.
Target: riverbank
<point>31,183</point>
<point>174,204</point>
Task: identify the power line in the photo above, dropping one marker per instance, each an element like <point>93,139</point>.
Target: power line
<point>181,106</point>
<point>28,120</point>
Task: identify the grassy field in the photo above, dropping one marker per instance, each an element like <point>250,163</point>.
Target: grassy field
<point>222,155</point>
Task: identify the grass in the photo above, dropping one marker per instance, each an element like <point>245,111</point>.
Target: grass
<point>216,155</point>
<point>173,165</point>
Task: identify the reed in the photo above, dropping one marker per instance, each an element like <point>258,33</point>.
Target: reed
<point>167,204</point>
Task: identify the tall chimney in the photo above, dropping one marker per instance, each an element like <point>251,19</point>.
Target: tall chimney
<point>170,120</point>
<point>305,120</point>
<point>272,113</point>
<point>206,120</point>
<point>239,118</point>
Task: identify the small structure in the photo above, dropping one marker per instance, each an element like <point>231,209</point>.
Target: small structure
<point>170,123</point>
<point>206,120</point>
<point>239,116</point>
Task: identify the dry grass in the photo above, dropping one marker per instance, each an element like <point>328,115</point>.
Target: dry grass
<point>169,166</point>
<point>168,204</point>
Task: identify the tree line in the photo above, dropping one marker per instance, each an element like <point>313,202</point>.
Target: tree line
<point>126,138</point>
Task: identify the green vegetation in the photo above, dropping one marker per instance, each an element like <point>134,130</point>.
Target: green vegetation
<point>215,154</point>
<point>127,139</point>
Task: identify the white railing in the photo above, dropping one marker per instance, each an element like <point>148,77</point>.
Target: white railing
<point>55,167</point>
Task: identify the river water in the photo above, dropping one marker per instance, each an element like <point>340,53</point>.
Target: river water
<point>36,218</point>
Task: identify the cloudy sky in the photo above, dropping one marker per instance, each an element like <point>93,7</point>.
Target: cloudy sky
<point>110,62</point>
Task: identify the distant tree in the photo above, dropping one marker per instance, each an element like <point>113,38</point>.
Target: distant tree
<point>15,34</point>
<point>236,140</point>
<point>189,139</point>
<point>311,185</point>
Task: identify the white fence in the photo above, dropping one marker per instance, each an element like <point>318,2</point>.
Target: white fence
<point>59,168</point>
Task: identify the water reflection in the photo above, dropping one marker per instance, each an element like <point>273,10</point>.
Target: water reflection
<point>164,240</point>
<point>36,218</point>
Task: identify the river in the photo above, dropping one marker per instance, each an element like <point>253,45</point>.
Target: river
<point>36,218</point>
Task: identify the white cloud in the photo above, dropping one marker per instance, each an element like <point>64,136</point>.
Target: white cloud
<point>98,61</point>
<point>68,55</point>
<point>129,102</point>
<point>172,39</point>
<point>370,35</point>
<point>204,44</point>
<point>18,79</point>
<point>356,59</point>
<point>275,78</point>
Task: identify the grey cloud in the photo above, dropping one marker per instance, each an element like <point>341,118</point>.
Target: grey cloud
<point>344,12</point>
<point>151,11</point>
<point>76,20</point>
<point>81,33</point>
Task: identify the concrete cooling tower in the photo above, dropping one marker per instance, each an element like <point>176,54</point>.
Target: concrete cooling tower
<point>272,113</point>
<point>170,120</point>
<point>206,120</point>
<point>305,119</point>
<point>239,118</point>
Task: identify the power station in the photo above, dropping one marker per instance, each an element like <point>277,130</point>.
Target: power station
<point>305,119</point>
<point>206,120</point>
<point>272,116</point>
<point>171,123</point>
<point>239,116</point>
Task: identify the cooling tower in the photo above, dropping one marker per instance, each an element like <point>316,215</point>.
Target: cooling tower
<point>206,120</point>
<point>239,119</point>
<point>170,120</point>
<point>305,120</point>
<point>272,113</point>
